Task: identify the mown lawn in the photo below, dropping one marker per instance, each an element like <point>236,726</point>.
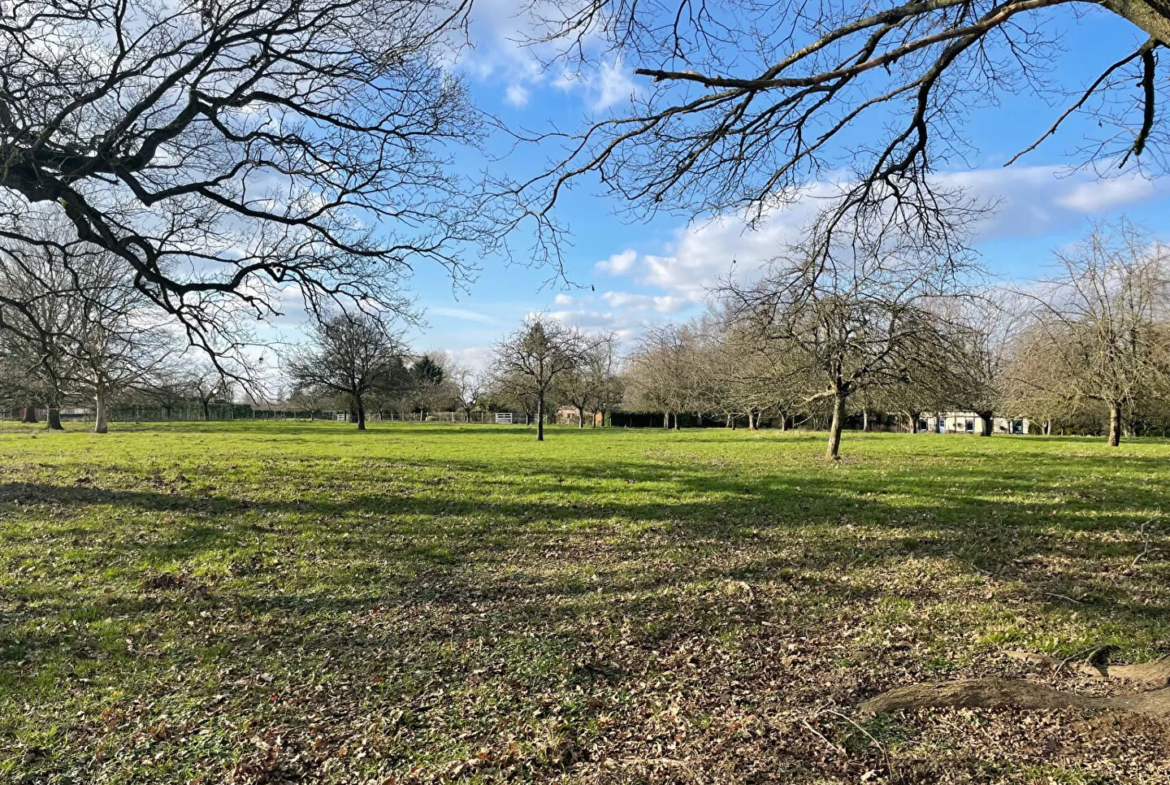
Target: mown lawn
<point>283,602</point>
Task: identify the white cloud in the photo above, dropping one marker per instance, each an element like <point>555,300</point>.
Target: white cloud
<point>503,51</point>
<point>517,95</point>
<point>614,84</point>
<point>618,264</point>
<point>642,302</point>
<point>563,299</point>
<point>477,358</point>
<point>461,313</point>
<point>585,319</point>
<point>609,84</point>
<point>1035,200</point>
<point>1101,195</point>
<point>1030,201</point>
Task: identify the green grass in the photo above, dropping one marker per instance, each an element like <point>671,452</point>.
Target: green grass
<point>297,602</point>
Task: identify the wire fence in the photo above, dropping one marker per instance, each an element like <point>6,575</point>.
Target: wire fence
<point>195,412</point>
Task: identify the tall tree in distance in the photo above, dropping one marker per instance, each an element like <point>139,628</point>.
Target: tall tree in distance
<point>589,386</point>
<point>349,354</point>
<point>42,303</point>
<point>206,384</point>
<point>863,318</point>
<point>1102,328</point>
<point>427,377</point>
<point>468,386</point>
<point>117,339</point>
<point>985,332</point>
<point>663,372</point>
<point>534,358</point>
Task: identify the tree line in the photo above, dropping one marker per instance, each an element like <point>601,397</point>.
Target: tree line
<point>881,331</point>
<point>884,328</point>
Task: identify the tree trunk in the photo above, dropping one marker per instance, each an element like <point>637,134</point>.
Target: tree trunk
<point>666,421</point>
<point>833,452</point>
<point>54,420</point>
<point>913,420</point>
<point>865,420</point>
<point>1149,16</point>
<point>540,418</point>
<point>1114,423</point>
<point>30,414</point>
<point>783,422</point>
<point>100,422</point>
<point>1048,427</point>
<point>731,422</point>
<point>753,421</point>
<point>580,416</point>
<point>677,424</point>
<point>988,420</point>
<point>361,413</point>
<point>206,411</point>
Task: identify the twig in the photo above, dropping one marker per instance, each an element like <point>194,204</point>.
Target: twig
<point>1146,543</point>
<point>876,743</point>
<point>1063,597</point>
<point>973,566</point>
<point>821,736</point>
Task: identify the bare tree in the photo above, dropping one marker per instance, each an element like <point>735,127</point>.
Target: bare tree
<point>746,105</point>
<point>663,372</point>
<point>349,354</point>
<point>229,152</point>
<point>167,386</point>
<point>863,317</point>
<point>44,367</point>
<point>81,321</point>
<point>117,339</point>
<point>468,386</point>
<point>607,371</point>
<point>985,332</point>
<point>207,385</point>
<point>1102,330</point>
<point>743,373</point>
<point>589,386</point>
<point>534,358</point>
<point>308,397</point>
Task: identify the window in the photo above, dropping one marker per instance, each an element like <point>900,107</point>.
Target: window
<point>970,426</point>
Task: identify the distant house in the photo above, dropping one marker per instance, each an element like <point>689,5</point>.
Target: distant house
<point>567,415</point>
<point>970,422</point>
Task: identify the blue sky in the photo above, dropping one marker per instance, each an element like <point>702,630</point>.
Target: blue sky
<point>645,272</point>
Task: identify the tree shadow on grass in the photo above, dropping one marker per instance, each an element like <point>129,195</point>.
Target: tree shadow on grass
<point>469,596</point>
<point>454,546</point>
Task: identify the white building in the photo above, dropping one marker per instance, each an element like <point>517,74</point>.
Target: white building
<point>969,422</point>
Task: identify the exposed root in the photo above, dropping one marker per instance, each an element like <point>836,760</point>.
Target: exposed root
<point>994,693</point>
<point>1152,674</point>
<point>1020,694</point>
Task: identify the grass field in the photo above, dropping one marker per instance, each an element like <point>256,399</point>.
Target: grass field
<point>286,602</point>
